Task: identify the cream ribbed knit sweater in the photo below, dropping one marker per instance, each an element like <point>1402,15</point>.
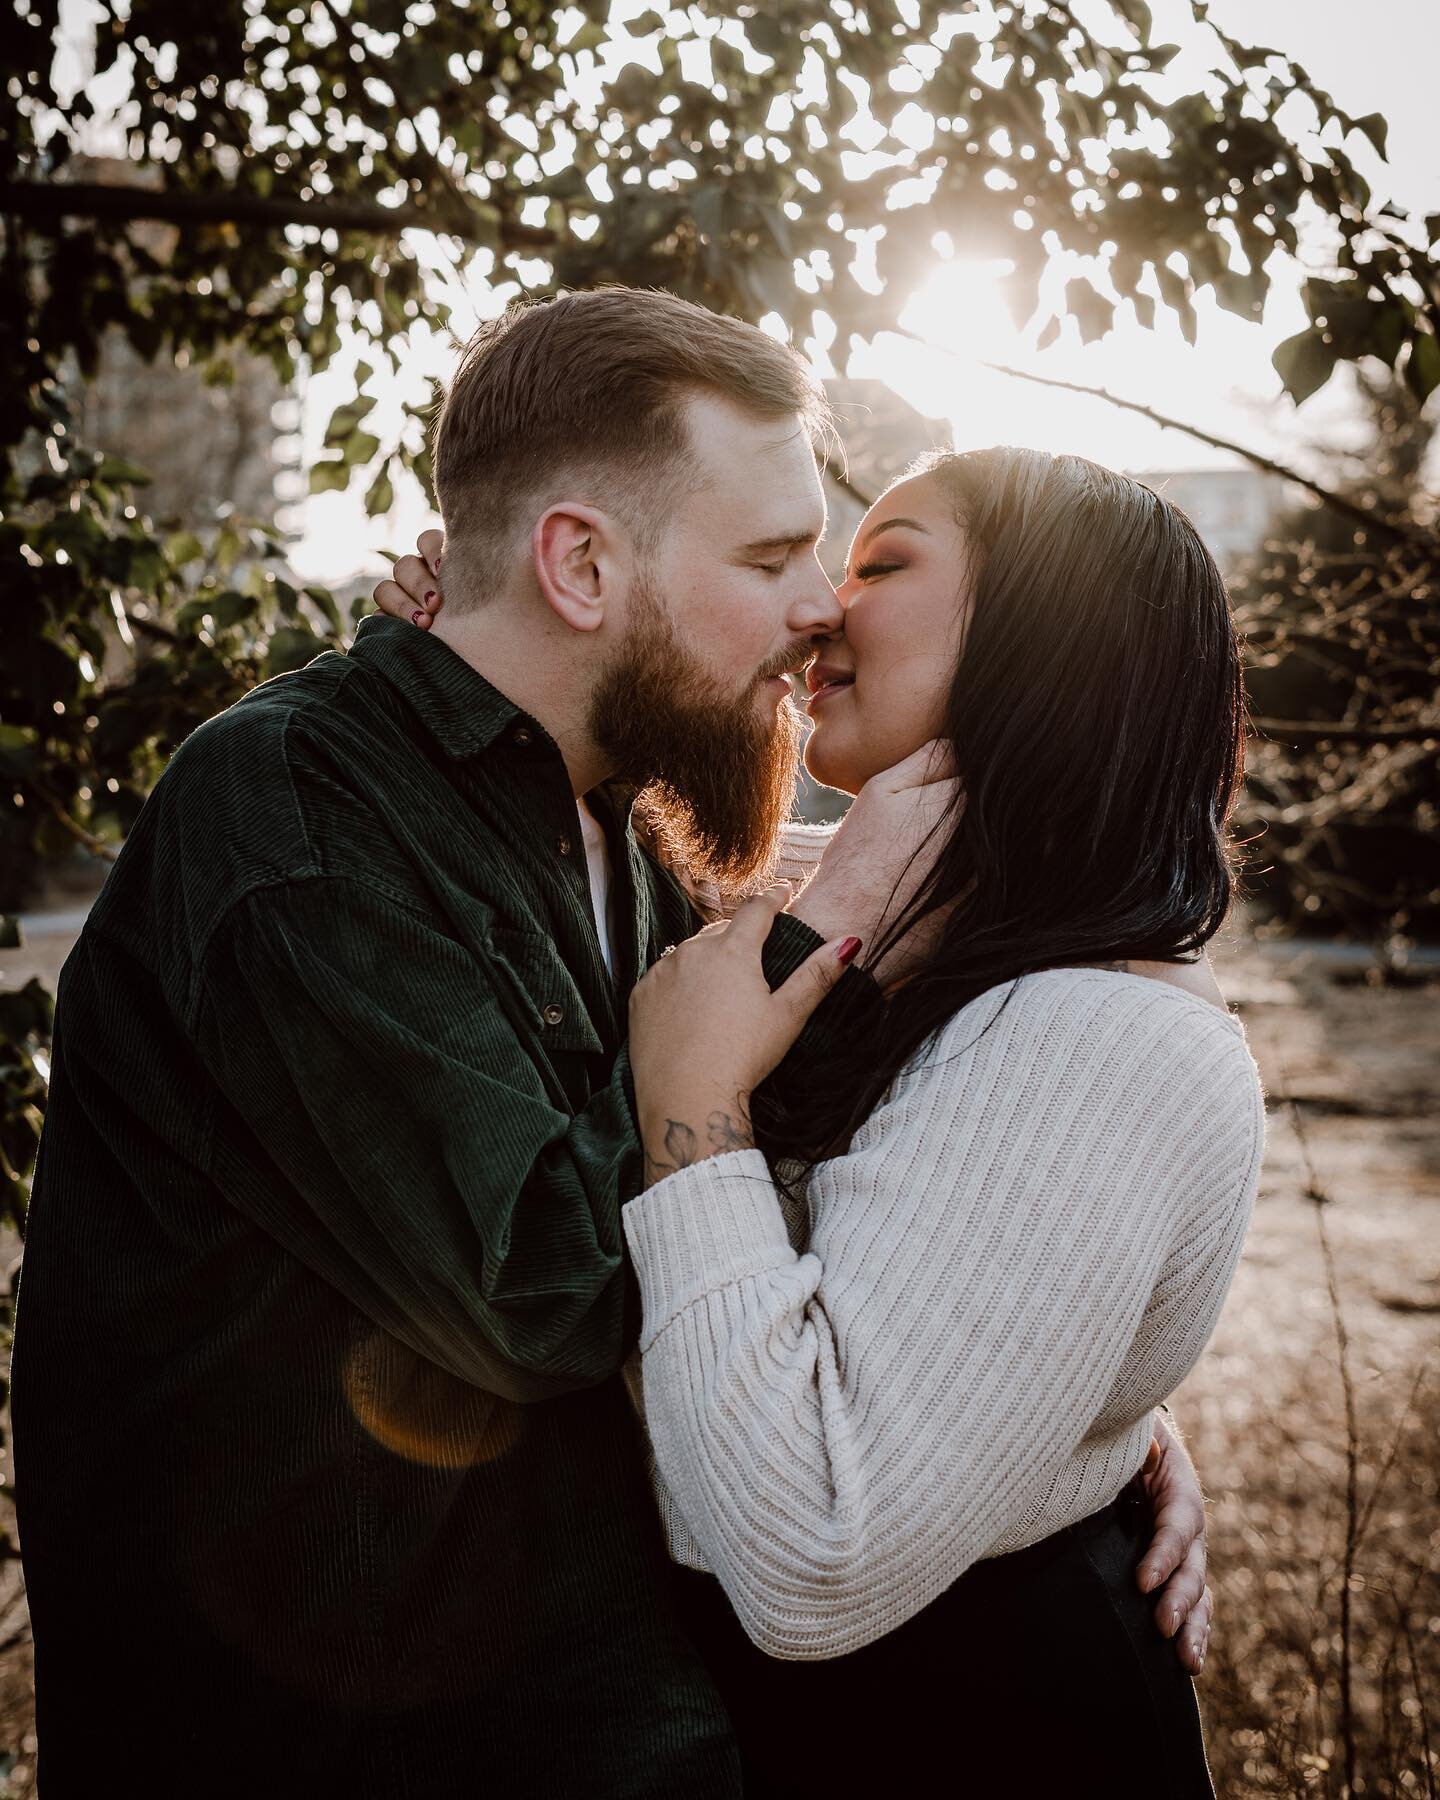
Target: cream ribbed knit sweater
<point>957,1352</point>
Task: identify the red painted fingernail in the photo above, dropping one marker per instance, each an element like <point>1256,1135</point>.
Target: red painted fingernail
<point>429,595</point>
<point>846,952</point>
<point>417,618</point>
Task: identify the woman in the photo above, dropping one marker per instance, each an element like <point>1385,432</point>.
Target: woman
<point>906,1314</point>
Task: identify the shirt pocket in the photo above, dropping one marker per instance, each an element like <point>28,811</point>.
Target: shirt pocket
<point>529,963</point>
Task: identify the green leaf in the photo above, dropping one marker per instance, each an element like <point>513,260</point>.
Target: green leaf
<point>17,749</point>
<point>344,420</point>
<point>1091,311</point>
<point>380,496</point>
<point>118,470</point>
<point>329,475</point>
<point>183,548</point>
<point>360,447</point>
<point>1374,127</point>
<point>325,600</point>
<point>1136,14</point>
<point>291,648</point>
<point>1422,371</point>
<point>1304,364</point>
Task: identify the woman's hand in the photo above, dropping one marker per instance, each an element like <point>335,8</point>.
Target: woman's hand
<point>1173,1566</point>
<point>882,850</point>
<point>412,590</point>
<point>705,1030</point>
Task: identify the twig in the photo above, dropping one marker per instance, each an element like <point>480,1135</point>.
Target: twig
<point>55,200</point>
<point>1337,502</point>
<point>1341,503</point>
<point>1420,1702</point>
<point>1388,1464</point>
<point>1320,1199</point>
<point>846,485</point>
<point>96,846</point>
<point>1316,731</point>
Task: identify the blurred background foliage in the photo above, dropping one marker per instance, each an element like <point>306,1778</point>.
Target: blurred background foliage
<point>290,171</point>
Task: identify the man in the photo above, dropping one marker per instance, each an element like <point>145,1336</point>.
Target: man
<point>329,1483</point>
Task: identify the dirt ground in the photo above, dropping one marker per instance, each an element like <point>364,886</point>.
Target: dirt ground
<point>1325,1535</point>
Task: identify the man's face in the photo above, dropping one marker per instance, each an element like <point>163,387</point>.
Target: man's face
<point>694,706</point>
<point>736,565</point>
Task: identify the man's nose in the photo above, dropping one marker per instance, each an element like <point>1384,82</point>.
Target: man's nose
<point>817,610</point>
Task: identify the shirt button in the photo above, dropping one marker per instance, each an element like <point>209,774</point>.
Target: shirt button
<point>523,736</point>
<point>564,846</point>
<point>553,1014</point>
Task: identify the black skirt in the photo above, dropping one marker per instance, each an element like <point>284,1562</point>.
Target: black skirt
<point>1038,1673</point>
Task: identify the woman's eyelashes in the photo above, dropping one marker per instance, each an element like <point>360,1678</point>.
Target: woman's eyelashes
<point>868,571</point>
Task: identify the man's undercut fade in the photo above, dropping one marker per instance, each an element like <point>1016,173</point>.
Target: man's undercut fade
<point>583,397</point>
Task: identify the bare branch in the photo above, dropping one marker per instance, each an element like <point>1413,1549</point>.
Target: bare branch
<point>1340,503</point>
<point>1312,731</point>
<point>56,200</point>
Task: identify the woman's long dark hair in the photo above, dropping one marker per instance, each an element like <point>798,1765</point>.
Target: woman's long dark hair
<point>1097,718</point>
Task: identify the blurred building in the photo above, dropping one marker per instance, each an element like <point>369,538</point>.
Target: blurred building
<point>212,441</point>
<point>1231,508</point>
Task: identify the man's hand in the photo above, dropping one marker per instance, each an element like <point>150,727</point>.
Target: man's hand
<point>1173,1567</point>
<point>882,850</point>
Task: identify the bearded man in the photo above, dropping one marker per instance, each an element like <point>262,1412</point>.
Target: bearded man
<point>330,1482</point>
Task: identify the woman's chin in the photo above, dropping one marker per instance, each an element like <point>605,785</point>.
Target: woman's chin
<point>829,768</point>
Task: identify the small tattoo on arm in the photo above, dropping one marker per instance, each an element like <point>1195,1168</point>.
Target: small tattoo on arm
<point>680,1147</point>
<point>725,1132</point>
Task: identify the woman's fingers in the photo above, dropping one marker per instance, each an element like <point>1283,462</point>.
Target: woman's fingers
<point>415,577</point>
<point>813,980</point>
<point>410,591</point>
<point>753,917</point>
<point>391,598</point>
<point>430,545</point>
<point>1185,1610</point>
<point>1195,1644</point>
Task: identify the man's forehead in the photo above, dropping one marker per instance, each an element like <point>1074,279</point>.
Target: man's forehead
<point>766,471</point>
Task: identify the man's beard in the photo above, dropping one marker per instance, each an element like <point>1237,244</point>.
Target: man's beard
<point>716,774</point>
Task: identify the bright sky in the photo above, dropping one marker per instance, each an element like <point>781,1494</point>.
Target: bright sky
<point>1224,384</point>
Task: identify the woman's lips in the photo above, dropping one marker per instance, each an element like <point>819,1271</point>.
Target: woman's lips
<point>824,693</point>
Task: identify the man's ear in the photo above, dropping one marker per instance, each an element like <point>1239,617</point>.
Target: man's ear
<point>578,557</point>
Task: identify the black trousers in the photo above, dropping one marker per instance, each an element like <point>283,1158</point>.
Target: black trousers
<point>1037,1674</point>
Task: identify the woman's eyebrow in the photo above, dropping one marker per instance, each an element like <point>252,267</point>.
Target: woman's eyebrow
<point>892,525</point>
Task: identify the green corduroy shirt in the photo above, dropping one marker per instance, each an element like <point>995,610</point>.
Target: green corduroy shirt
<point>328,1482</point>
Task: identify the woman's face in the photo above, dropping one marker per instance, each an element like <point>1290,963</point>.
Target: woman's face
<point>879,689</point>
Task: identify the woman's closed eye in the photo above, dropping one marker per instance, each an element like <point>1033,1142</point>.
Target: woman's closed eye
<point>867,571</point>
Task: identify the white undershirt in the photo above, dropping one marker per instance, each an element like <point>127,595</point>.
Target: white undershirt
<point>597,861</point>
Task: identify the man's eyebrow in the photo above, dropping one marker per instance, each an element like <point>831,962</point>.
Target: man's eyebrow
<point>892,525</point>
<point>786,540</point>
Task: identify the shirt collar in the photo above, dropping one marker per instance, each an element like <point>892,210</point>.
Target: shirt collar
<point>454,702</point>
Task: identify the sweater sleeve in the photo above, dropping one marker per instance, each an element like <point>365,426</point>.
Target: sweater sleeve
<point>846,1430</point>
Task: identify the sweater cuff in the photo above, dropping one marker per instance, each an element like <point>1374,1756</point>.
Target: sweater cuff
<point>706,1227</point>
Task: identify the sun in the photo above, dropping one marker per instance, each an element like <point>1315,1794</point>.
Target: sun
<point>961,309</point>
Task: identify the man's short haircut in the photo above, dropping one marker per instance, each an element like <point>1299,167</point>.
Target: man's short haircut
<point>583,397</point>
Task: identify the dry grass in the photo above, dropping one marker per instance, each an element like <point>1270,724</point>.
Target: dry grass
<point>1313,1414</point>
<point>1312,1417</point>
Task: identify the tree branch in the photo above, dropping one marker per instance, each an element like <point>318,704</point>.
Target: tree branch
<point>56,200</point>
<point>842,480</point>
<point>1340,503</point>
<point>1312,731</point>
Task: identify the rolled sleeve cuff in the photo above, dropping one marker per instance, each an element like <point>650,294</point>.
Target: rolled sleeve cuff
<point>789,943</point>
<point>706,1227</point>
